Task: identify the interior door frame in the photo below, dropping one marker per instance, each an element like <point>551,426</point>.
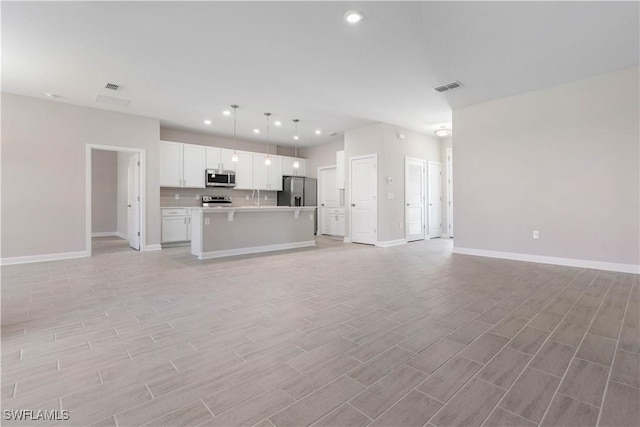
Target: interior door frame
<point>424,195</point>
<point>431,163</point>
<point>449,191</point>
<point>89,191</point>
<point>348,202</point>
<point>320,184</point>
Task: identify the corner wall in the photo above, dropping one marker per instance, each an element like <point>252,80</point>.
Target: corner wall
<point>563,161</point>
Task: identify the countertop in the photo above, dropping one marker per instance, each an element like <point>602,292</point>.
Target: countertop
<point>254,208</point>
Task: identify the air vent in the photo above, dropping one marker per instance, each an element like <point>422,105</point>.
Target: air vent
<point>113,101</point>
<point>112,86</point>
<point>333,134</point>
<point>448,86</point>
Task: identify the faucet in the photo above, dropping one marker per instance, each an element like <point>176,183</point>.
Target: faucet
<point>252,194</point>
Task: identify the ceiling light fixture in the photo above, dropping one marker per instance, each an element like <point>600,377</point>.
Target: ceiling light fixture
<point>207,122</point>
<point>443,132</point>
<point>256,131</point>
<point>226,112</point>
<point>50,95</point>
<point>296,163</point>
<point>234,156</point>
<point>353,16</point>
<point>267,160</point>
<point>277,123</point>
<point>318,132</point>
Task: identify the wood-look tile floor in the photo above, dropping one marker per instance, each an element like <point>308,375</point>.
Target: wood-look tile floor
<point>337,335</point>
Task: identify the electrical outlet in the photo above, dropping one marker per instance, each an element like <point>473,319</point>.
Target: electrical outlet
<point>536,234</point>
<point>311,217</point>
<point>207,221</point>
<point>177,196</point>
<point>266,197</point>
<point>246,197</point>
<point>197,197</point>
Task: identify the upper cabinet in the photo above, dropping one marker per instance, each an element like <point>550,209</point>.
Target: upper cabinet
<point>182,165</point>
<point>220,158</point>
<point>289,170</point>
<point>267,177</point>
<point>244,171</point>
<point>340,169</point>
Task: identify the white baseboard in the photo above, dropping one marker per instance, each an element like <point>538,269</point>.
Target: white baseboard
<point>256,249</point>
<point>347,240</point>
<point>42,258</point>
<point>104,234</point>
<point>569,262</point>
<point>445,236</point>
<point>152,248</point>
<point>390,243</point>
<point>122,235</point>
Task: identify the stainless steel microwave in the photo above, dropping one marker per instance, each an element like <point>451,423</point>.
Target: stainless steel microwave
<point>220,178</point>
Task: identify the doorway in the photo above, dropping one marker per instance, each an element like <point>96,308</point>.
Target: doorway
<point>414,197</point>
<point>435,199</point>
<point>363,206</point>
<point>130,207</point>
<point>328,195</point>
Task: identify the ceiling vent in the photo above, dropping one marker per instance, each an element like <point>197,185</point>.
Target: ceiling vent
<point>113,101</point>
<point>448,86</point>
<point>112,86</point>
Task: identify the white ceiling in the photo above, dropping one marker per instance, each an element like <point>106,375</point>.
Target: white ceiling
<point>186,62</point>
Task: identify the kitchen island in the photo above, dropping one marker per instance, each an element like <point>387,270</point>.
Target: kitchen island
<point>227,231</point>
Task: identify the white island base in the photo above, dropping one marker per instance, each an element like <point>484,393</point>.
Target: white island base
<point>227,231</point>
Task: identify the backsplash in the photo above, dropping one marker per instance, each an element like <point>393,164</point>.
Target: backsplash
<point>187,196</point>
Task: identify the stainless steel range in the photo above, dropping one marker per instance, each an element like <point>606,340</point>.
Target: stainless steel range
<point>213,201</point>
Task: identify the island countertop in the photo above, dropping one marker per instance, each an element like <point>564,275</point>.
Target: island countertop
<point>253,208</point>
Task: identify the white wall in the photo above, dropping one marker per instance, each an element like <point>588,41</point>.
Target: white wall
<point>43,156</point>
<point>123,194</point>
<point>321,155</point>
<point>445,144</point>
<point>104,191</point>
<point>383,139</point>
<point>562,160</point>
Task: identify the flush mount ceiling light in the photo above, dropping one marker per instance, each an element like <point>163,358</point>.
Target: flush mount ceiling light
<point>277,123</point>
<point>226,113</point>
<point>443,132</point>
<point>296,163</point>
<point>50,95</point>
<point>318,132</point>
<point>207,122</point>
<point>234,156</point>
<point>256,131</point>
<point>267,160</point>
<point>353,16</point>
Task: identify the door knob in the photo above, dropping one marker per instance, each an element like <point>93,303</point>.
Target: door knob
<point>353,204</point>
<point>129,205</point>
<point>408,204</point>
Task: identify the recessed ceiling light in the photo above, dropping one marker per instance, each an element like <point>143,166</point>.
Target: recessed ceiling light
<point>318,132</point>
<point>353,16</point>
<point>226,112</point>
<point>277,123</point>
<point>256,131</point>
<point>207,122</point>
<point>296,137</point>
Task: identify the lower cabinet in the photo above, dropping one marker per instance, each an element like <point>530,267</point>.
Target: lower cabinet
<point>333,221</point>
<point>176,225</point>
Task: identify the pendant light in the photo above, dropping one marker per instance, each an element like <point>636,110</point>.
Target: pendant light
<point>267,160</point>
<point>234,156</point>
<point>296,163</point>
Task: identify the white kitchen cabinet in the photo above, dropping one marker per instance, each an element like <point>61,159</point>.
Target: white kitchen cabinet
<point>171,164</point>
<point>175,225</point>
<point>333,221</point>
<point>340,169</point>
<point>244,171</point>
<point>289,170</point>
<point>194,165</point>
<point>220,158</point>
<point>267,177</point>
<point>182,165</point>
<point>189,224</point>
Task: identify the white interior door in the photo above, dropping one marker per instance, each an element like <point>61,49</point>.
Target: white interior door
<point>364,205</point>
<point>449,192</point>
<point>328,196</point>
<point>133,223</point>
<point>414,195</point>
<point>435,199</point>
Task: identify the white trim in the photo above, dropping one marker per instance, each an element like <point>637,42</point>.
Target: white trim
<point>148,248</point>
<point>104,234</point>
<point>143,191</point>
<point>122,235</point>
<point>347,240</point>
<point>256,249</point>
<point>569,262</point>
<point>390,243</point>
<point>41,258</point>
<point>445,236</point>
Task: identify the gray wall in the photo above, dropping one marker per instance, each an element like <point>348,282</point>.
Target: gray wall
<point>321,155</point>
<point>562,160</point>
<point>104,191</point>
<point>43,156</point>
<point>382,139</point>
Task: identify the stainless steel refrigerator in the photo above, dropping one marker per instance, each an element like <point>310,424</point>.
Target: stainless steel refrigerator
<point>299,191</point>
